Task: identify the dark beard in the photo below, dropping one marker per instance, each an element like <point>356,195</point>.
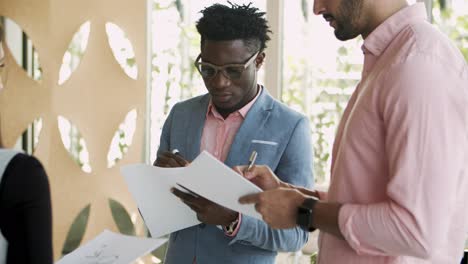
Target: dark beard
<point>347,19</point>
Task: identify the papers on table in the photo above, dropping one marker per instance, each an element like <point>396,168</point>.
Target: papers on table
<point>164,213</point>
<point>109,247</point>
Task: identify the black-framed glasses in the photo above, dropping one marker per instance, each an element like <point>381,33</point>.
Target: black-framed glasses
<point>231,71</point>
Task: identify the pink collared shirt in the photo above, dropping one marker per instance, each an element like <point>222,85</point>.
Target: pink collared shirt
<point>218,134</point>
<point>400,157</point>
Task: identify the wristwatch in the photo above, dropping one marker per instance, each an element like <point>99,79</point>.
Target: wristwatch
<point>305,214</point>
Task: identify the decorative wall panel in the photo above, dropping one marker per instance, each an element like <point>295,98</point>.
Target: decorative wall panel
<point>95,97</point>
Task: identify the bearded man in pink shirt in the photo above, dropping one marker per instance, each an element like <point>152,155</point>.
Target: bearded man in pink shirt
<point>399,174</point>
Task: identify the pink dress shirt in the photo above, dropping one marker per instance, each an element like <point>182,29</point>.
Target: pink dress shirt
<point>400,158</point>
<point>218,134</point>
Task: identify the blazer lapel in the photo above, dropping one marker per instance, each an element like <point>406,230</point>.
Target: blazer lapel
<point>252,127</point>
<point>194,128</point>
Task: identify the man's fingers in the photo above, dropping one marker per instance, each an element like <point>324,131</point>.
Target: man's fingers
<point>199,201</point>
<point>257,172</point>
<point>258,208</point>
<point>249,199</point>
<point>239,169</point>
<point>179,159</point>
<point>164,161</point>
<point>194,207</point>
<point>189,200</point>
<point>248,174</point>
<point>183,195</point>
<point>171,160</point>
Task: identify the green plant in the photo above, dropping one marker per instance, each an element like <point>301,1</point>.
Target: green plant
<point>452,24</point>
<point>313,258</point>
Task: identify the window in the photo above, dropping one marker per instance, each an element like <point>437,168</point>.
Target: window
<point>319,75</point>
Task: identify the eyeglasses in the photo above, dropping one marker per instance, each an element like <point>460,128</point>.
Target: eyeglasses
<point>231,71</point>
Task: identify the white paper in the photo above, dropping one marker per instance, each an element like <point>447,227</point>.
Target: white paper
<point>112,248</point>
<point>161,210</point>
<point>164,213</point>
<point>217,182</point>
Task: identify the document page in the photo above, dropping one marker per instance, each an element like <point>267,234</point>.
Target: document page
<point>206,176</point>
<point>162,211</point>
<point>109,247</point>
<point>217,182</point>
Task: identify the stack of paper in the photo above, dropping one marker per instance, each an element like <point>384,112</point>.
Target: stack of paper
<point>164,213</point>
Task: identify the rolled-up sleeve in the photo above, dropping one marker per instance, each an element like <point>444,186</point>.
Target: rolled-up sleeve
<point>424,110</point>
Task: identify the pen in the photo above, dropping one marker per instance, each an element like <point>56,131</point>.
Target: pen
<point>175,151</point>
<point>252,159</point>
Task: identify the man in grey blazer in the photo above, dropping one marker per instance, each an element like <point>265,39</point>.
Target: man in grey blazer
<point>236,117</point>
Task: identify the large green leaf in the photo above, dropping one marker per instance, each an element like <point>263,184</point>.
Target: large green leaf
<point>77,231</point>
<point>122,218</point>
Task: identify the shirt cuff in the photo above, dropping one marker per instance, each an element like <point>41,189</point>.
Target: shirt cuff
<point>350,225</point>
<point>236,230</point>
<point>345,225</point>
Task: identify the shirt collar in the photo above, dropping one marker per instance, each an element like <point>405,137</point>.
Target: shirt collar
<point>243,111</point>
<point>381,37</point>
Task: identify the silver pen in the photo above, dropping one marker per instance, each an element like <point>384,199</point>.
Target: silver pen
<point>252,159</point>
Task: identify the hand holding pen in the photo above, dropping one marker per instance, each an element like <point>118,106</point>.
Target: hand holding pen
<point>170,159</point>
<point>251,163</point>
<point>260,175</point>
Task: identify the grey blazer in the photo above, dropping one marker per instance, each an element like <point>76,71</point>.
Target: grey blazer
<point>281,137</point>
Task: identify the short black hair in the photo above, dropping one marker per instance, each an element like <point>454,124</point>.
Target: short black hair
<point>220,23</point>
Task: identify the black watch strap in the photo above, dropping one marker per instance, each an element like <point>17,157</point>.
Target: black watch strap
<point>305,214</point>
